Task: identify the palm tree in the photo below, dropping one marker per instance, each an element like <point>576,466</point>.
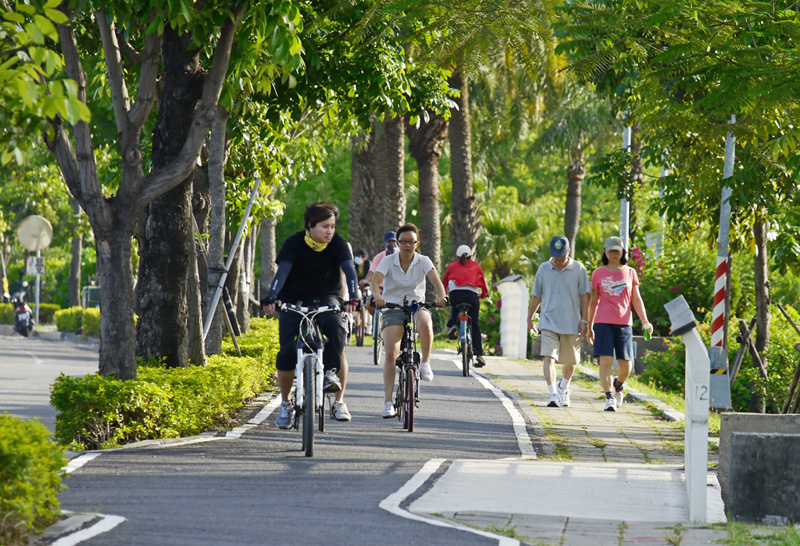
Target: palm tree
<point>581,121</point>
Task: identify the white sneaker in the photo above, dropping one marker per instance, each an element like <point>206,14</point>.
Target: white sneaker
<point>340,412</point>
<point>611,404</point>
<point>388,410</point>
<point>425,372</point>
<point>618,397</point>
<point>553,402</point>
<point>563,396</point>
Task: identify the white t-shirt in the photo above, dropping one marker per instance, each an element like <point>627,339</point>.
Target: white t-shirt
<point>398,284</point>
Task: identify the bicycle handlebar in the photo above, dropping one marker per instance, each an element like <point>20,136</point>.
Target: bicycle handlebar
<point>310,309</point>
<point>412,305</point>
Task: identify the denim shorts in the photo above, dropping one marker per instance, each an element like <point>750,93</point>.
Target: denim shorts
<point>395,317</point>
<point>613,338</point>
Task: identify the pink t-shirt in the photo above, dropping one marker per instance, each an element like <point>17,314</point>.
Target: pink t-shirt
<point>614,289</point>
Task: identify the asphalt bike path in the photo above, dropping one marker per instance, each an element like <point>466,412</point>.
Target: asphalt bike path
<point>255,486</point>
<point>486,456</point>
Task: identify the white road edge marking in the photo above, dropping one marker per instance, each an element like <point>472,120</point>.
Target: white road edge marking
<point>517,420</point>
<point>104,525</point>
<point>392,505</point>
<point>109,522</point>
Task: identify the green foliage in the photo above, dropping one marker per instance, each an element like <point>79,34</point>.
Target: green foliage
<point>102,412</point>
<point>47,312</point>
<point>70,319</point>
<point>6,313</point>
<point>90,322</point>
<point>667,370</point>
<point>490,323</point>
<point>30,479</point>
<point>32,89</point>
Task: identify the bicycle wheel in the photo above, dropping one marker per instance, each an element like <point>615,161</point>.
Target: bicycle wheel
<point>310,388</point>
<point>465,356</point>
<point>359,316</point>
<point>377,347</point>
<point>399,399</point>
<point>410,398</point>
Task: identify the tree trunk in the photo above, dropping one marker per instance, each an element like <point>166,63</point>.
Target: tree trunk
<point>245,281</point>
<point>197,353</point>
<point>365,229</point>
<point>74,279</point>
<point>217,158</point>
<point>761,281</point>
<point>572,211</point>
<point>392,195</point>
<point>465,225</point>
<point>268,253</point>
<point>425,147</point>
<point>165,260</point>
<point>115,277</point>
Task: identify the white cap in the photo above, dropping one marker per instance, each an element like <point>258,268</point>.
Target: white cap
<point>463,250</point>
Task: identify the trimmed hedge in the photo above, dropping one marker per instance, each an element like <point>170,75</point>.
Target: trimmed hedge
<point>69,319</point>
<point>30,479</point>
<point>47,311</point>
<point>91,322</point>
<point>6,313</point>
<point>96,412</point>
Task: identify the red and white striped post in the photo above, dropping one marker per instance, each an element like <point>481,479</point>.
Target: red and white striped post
<point>719,386</point>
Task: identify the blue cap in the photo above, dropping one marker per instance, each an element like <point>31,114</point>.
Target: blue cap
<point>390,236</point>
<point>559,246</point>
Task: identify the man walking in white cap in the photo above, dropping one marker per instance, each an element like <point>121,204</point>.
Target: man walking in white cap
<point>561,287</point>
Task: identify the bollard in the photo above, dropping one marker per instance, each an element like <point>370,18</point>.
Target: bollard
<point>513,316</point>
<point>698,369</point>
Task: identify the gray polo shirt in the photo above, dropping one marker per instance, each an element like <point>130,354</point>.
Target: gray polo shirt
<point>560,292</point>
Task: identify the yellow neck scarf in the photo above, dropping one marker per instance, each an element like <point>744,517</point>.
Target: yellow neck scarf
<point>315,246</point>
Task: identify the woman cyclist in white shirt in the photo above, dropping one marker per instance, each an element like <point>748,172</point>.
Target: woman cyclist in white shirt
<point>403,276</point>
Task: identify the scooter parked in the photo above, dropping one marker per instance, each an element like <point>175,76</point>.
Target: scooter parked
<point>23,316</point>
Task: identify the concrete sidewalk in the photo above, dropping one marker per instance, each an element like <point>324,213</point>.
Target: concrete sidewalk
<point>600,477</point>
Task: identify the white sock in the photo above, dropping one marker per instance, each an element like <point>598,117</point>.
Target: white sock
<point>552,389</point>
<point>564,383</point>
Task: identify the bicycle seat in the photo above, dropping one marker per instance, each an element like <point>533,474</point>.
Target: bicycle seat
<point>464,307</point>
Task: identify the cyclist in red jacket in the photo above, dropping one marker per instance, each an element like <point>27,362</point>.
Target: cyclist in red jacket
<point>465,283</point>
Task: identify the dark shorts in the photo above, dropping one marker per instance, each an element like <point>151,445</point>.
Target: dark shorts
<point>331,326</point>
<point>613,338</point>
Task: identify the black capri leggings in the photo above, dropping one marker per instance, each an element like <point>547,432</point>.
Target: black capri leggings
<point>470,297</point>
<point>331,326</point>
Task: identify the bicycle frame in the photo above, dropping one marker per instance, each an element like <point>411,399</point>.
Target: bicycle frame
<point>309,342</point>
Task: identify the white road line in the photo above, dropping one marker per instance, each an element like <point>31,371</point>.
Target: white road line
<point>79,461</point>
<point>392,505</point>
<point>104,525</point>
<point>517,419</point>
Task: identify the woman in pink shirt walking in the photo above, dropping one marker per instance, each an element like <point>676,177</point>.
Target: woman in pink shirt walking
<point>615,289</point>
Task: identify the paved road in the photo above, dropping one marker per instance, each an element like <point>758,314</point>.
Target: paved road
<point>261,489</point>
<point>28,366</point>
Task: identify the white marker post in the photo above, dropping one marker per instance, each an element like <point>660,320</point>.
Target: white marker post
<point>697,399</point>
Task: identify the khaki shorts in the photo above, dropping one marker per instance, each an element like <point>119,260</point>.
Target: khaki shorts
<point>564,348</point>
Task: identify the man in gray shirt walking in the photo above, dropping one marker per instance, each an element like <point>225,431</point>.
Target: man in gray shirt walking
<point>562,288</point>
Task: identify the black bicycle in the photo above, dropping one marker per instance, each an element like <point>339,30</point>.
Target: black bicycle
<point>406,398</point>
<point>309,371</point>
<point>465,337</point>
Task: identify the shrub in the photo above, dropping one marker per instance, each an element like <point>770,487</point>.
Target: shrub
<point>69,319</point>
<point>91,322</point>
<point>490,323</point>
<point>30,479</point>
<point>47,312</point>
<point>6,313</point>
<point>666,370</point>
<point>101,412</point>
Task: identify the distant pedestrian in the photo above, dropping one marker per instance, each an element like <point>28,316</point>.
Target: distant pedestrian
<point>615,288</point>
<point>561,287</point>
<point>390,247</point>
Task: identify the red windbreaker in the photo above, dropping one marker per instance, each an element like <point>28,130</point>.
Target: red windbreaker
<point>469,274</point>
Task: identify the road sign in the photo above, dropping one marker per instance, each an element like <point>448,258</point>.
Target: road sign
<point>35,265</point>
<point>35,233</point>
